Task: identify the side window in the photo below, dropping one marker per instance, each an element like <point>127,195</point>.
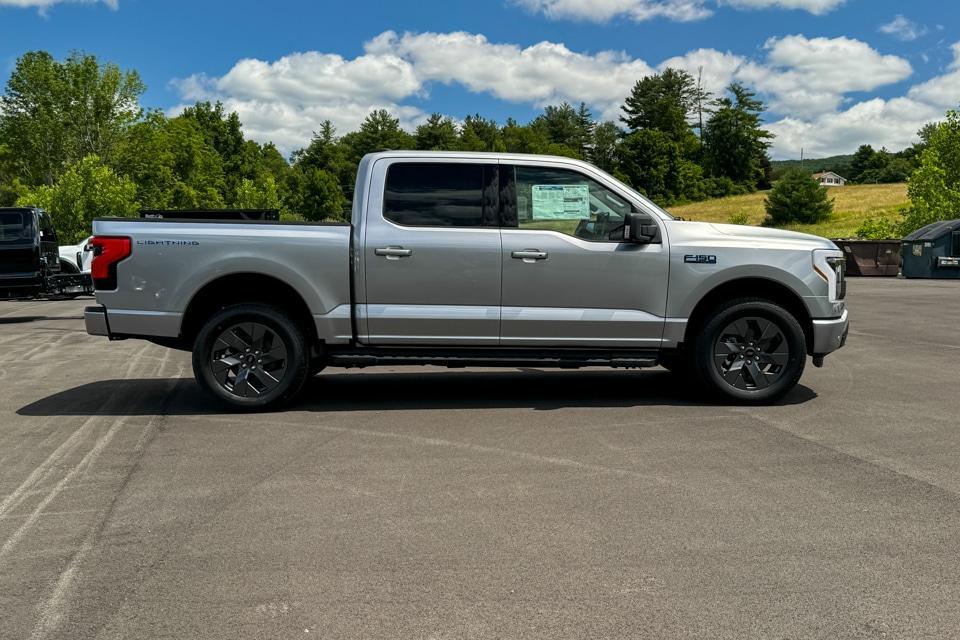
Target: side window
<point>568,202</point>
<point>956,244</point>
<point>47,229</point>
<point>419,194</point>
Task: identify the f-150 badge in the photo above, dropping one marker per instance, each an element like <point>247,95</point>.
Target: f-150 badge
<point>700,259</point>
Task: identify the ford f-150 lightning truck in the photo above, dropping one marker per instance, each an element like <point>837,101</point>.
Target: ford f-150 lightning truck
<point>472,259</point>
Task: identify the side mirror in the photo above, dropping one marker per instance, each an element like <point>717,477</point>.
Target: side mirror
<point>640,228</point>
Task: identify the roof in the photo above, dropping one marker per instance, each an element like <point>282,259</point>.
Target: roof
<point>824,174</point>
<point>934,230</point>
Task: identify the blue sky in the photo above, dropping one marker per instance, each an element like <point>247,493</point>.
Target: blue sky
<point>836,73</point>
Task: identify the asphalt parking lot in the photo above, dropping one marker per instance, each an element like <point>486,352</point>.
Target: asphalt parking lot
<point>485,504</point>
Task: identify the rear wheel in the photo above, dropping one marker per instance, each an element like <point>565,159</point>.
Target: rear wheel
<point>251,357</point>
<point>750,351</point>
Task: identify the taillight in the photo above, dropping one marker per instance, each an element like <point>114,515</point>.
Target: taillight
<point>107,252</point>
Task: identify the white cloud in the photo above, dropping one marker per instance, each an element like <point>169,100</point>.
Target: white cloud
<point>678,10</point>
<point>881,123</point>
<point>285,100</point>
<point>890,123</point>
<point>903,29</point>
<point>540,74</point>
<point>942,91</point>
<point>604,10</point>
<point>43,5</point>
<point>808,77</point>
<point>816,7</point>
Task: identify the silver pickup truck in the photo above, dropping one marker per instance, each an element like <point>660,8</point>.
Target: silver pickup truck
<point>470,259</point>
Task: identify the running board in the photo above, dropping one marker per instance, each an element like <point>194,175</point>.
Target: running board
<point>492,358</point>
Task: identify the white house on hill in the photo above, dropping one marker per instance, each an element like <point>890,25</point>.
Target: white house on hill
<point>830,179</point>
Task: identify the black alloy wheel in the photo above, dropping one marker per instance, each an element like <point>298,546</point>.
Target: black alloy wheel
<point>249,360</point>
<point>252,357</point>
<point>751,353</point>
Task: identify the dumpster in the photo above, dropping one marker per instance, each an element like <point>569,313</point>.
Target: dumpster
<point>933,251</point>
<point>871,257</point>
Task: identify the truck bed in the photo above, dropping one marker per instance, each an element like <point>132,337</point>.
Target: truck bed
<point>172,261</point>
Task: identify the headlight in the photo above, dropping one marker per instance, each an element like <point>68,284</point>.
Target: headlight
<point>831,265</point>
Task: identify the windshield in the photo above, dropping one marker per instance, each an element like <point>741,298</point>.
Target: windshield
<point>15,226</point>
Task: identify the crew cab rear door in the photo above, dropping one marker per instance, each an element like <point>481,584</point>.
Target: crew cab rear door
<point>431,254</point>
<point>568,278</point>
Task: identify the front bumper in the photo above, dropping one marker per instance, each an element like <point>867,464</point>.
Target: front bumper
<point>95,319</point>
<point>830,335</point>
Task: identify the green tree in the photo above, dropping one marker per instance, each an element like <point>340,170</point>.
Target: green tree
<point>863,160</point>
<point>315,194</point>
<point>332,154</point>
<point>567,129</point>
<point>935,187</point>
<point>261,193</point>
<point>797,198</point>
<point>223,132</point>
<point>380,131</point>
<point>86,190</point>
<point>172,164</point>
<point>438,133</point>
<point>518,138</point>
<point>56,113</point>
<point>603,151</point>
<point>480,134</point>
<point>655,164</point>
<point>735,143</point>
<point>664,102</point>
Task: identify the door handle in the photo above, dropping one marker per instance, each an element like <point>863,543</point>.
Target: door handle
<point>393,253</point>
<point>529,254</point>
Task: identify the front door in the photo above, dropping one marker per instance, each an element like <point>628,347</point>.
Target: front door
<point>568,279</point>
<point>432,263</point>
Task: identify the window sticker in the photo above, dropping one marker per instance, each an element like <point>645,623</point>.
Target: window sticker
<point>918,250</point>
<point>561,202</point>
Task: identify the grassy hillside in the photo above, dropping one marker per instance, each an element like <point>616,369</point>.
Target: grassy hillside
<point>852,206</point>
<point>814,165</point>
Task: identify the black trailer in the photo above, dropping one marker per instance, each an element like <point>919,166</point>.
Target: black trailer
<point>933,251</point>
<point>30,257</point>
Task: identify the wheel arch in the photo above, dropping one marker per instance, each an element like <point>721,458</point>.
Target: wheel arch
<point>66,266</point>
<point>245,287</point>
<point>753,287</point>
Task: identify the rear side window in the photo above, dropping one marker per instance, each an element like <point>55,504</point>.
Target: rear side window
<point>46,226</point>
<point>15,226</point>
<point>956,244</point>
<point>437,194</point>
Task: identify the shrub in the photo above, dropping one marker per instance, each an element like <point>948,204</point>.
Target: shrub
<point>740,218</point>
<point>797,198</point>
<point>878,229</point>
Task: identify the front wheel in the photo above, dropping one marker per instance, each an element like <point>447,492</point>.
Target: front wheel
<point>252,357</point>
<point>750,352</point>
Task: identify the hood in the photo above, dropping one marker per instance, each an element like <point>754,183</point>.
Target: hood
<point>758,235</point>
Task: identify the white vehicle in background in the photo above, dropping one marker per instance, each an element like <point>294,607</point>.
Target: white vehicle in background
<point>76,258</point>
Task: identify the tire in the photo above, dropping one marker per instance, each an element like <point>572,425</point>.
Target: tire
<point>749,351</point>
<point>251,357</point>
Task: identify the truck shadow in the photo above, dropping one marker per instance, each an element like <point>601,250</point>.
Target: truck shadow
<point>29,319</point>
<point>532,389</point>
